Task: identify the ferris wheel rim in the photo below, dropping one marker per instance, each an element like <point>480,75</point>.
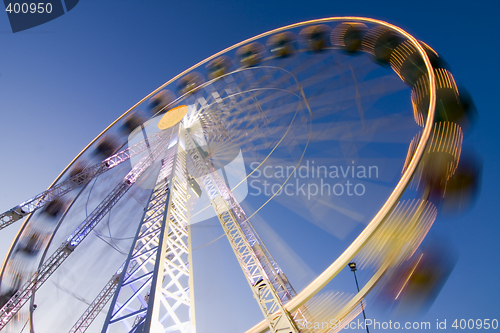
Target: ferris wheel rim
<point>420,49</point>
<point>328,274</point>
<point>310,290</point>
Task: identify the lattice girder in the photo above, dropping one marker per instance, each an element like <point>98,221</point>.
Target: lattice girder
<point>264,291</point>
<point>158,293</point>
<point>13,306</point>
<point>40,200</point>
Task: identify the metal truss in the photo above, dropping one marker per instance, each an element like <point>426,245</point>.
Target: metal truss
<point>59,256</point>
<point>268,283</point>
<point>40,200</point>
<point>133,298</point>
<point>97,305</point>
<point>215,130</point>
<point>155,292</point>
<point>147,243</point>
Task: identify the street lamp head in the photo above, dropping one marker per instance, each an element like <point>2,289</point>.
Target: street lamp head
<point>352,265</point>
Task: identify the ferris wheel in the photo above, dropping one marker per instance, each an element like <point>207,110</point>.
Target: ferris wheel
<point>333,127</point>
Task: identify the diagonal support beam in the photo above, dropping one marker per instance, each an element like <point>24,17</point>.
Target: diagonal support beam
<point>155,291</point>
<point>40,200</point>
<point>10,309</point>
<point>263,283</point>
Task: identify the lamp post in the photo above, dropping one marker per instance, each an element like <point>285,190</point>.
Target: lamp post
<point>352,266</point>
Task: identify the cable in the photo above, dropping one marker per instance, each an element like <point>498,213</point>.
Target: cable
<point>199,247</point>
<point>114,247</point>
<point>88,198</point>
<point>27,321</point>
<point>81,299</point>
<point>109,230</point>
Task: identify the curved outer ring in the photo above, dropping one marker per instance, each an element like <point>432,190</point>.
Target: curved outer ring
<point>325,277</point>
<point>340,263</point>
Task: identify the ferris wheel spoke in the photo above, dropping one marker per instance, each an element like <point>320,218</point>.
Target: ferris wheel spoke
<point>10,309</point>
<point>311,60</point>
<point>85,176</point>
<point>243,115</point>
<point>248,79</point>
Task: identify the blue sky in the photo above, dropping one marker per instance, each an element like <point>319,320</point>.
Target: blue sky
<point>63,82</point>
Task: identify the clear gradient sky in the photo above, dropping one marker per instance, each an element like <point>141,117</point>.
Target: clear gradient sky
<point>63,82</point>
